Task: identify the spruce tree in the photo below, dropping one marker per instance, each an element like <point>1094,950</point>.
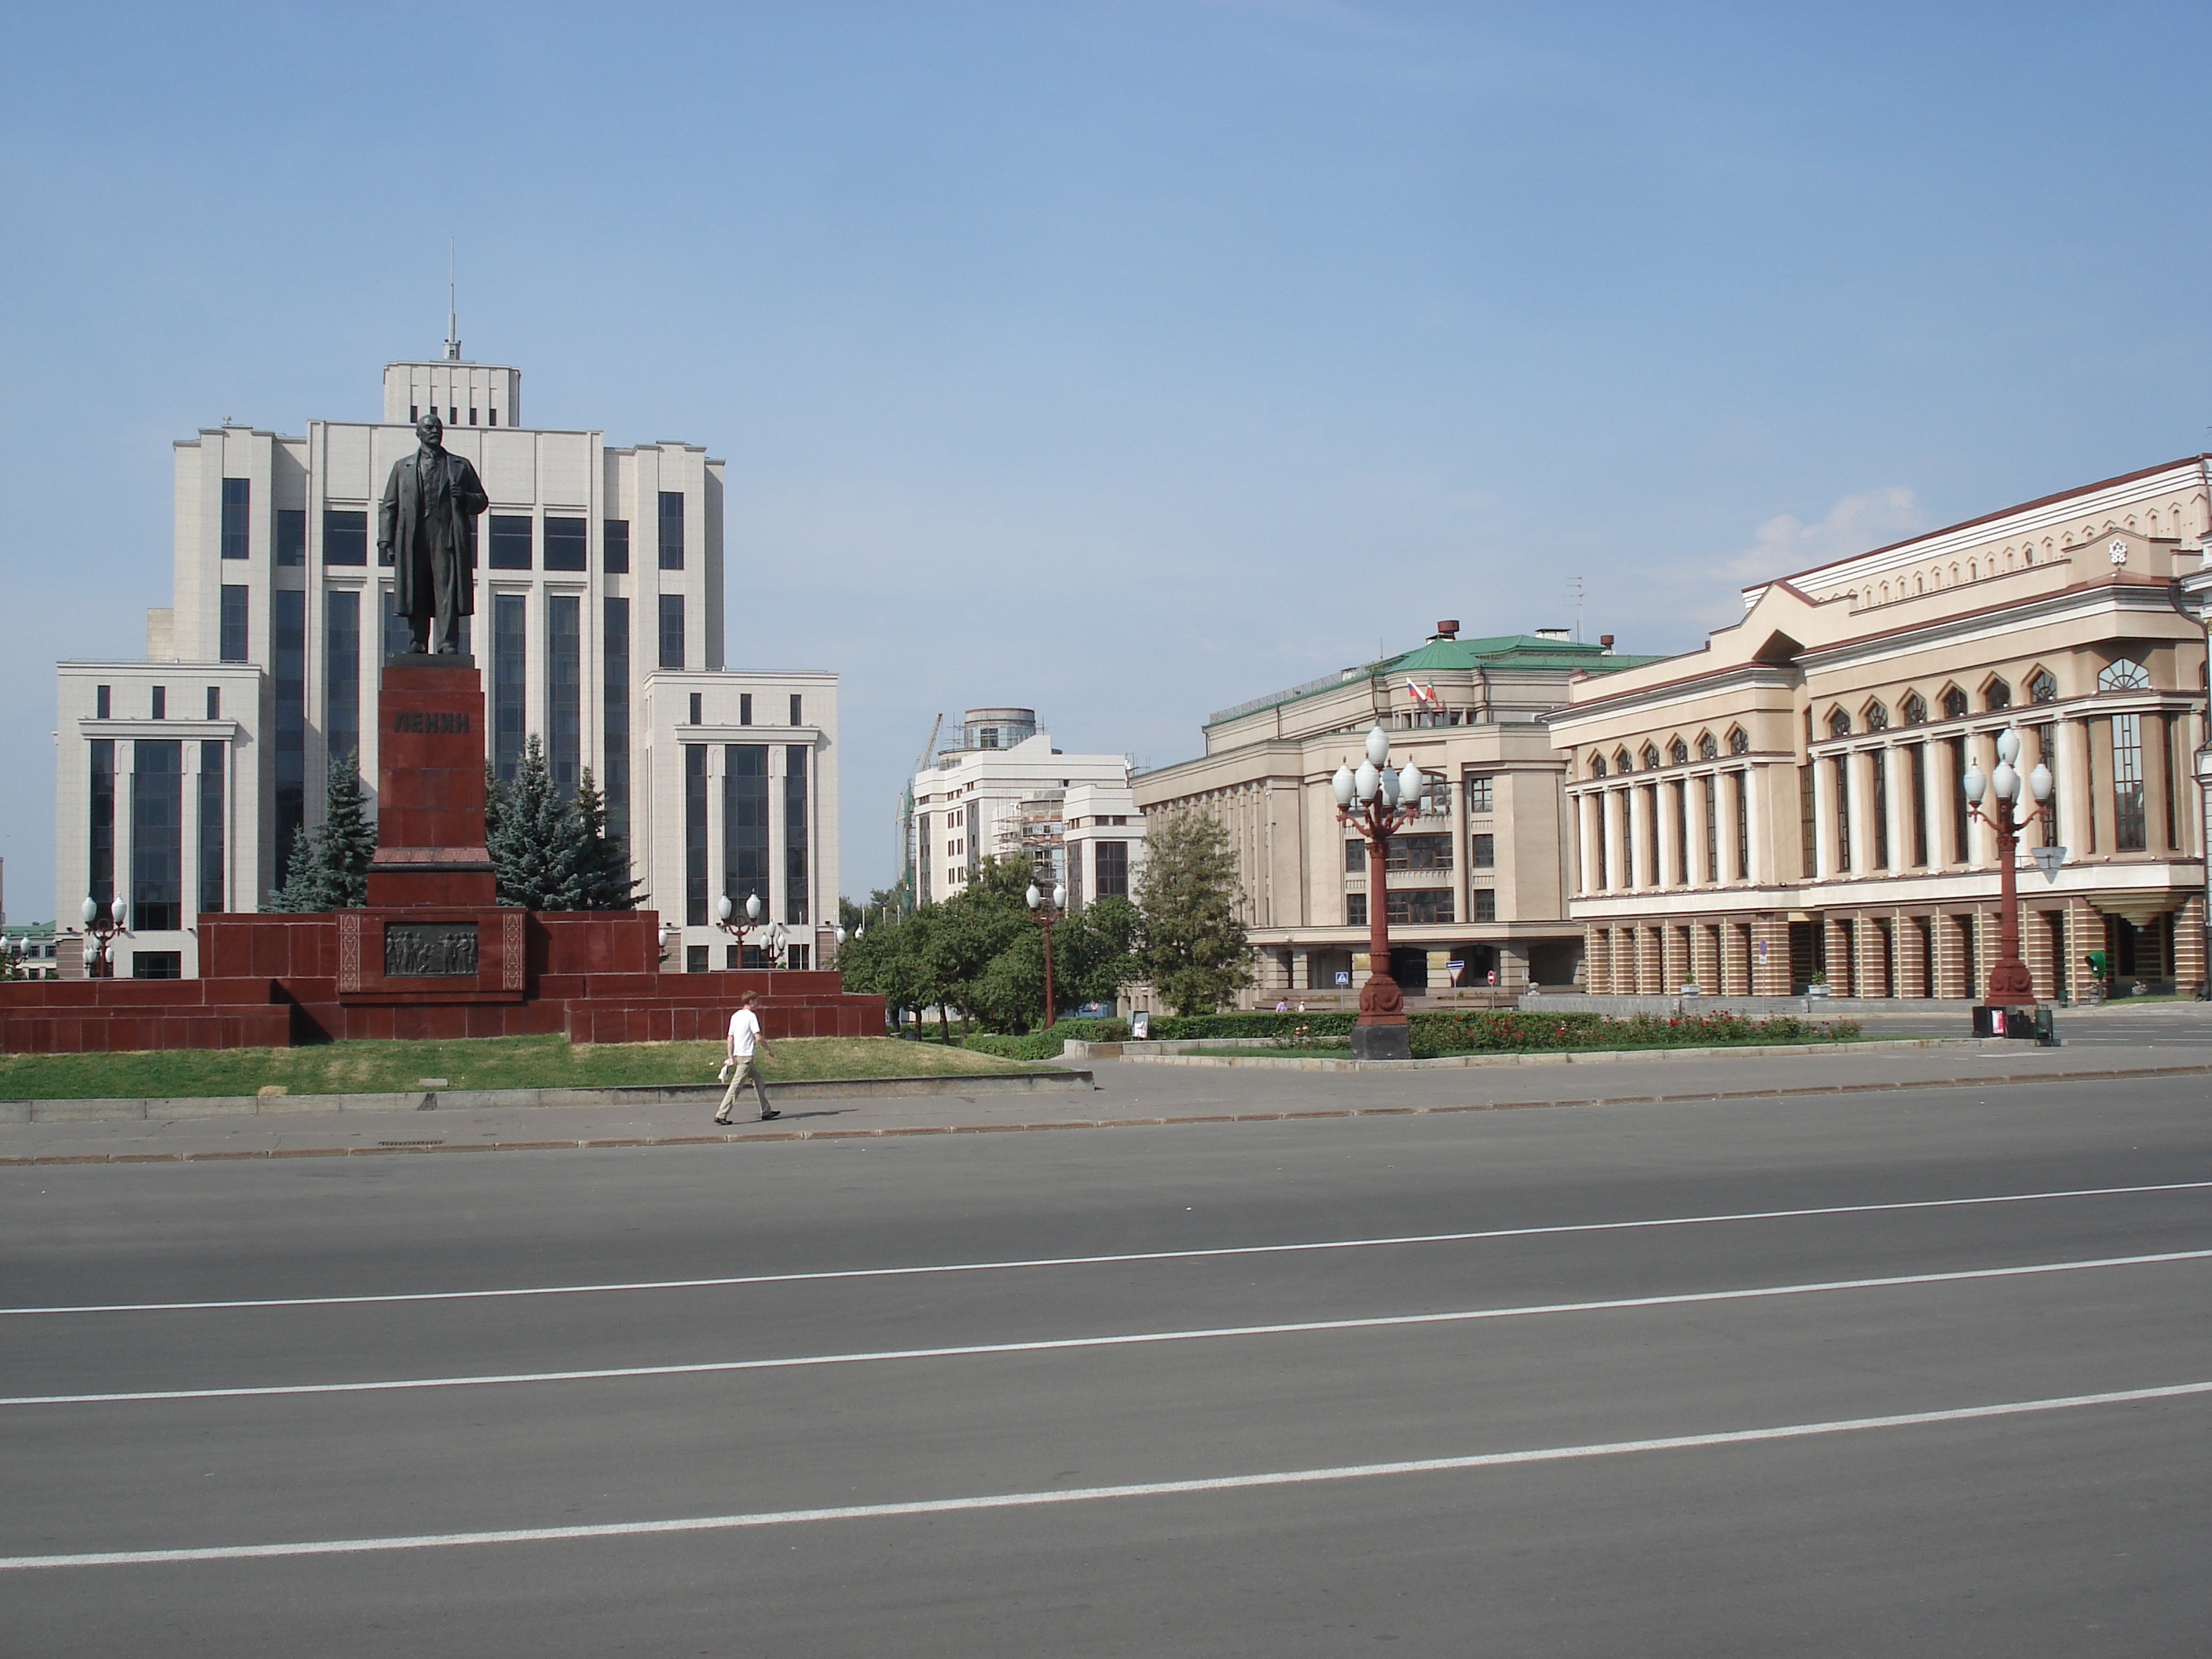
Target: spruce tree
<point>329,867</point>
<point>530,835</point>
<point>601,878</point>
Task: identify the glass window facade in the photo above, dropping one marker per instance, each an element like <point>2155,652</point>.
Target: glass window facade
<point>237,517</point>
<point>615,545</point>
<point>744,826</point>
<point>291,535</point>
<point>795,909</point>
<point>213,758</point>
<point>512,542</point>
<point>614,715</point>
<point>568,542</point>
<point>671,530</point>
<point>1109,867</point>
<point>345,536</point>
<point>695,840</point>
<point>671,631</point>
<point>2128,828</point>
<point>342,673</point>
<point>510,670</point>
<point>288,616</point>
<point>157,836</point>
<point>1410,905</point>
<point>100,828</point>
<point>232,644</point>
<point>564,688</point>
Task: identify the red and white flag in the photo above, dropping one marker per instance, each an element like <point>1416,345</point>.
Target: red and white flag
<point>1422,693</point>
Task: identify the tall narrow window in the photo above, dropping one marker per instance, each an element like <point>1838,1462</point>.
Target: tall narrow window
<point>744,825</point>
<point>342,673</point>
<point>212,855</point>
<point>1881,805</point>
<point>1713,827</point>
<point>564,690</point>
<point>345,536</point>
<point>237,516</point>
<point>1843,787</point>
<point>232,645</point>
<point>1743,826</point>
<point>795,909</point>
<point>103,702</point>
<point>511,539</point>
<point>798,709</point>
<point>698,710</point>
<point>1808,846</point>
<point>671,631</point>
<point>398,639</point>
<point>695,836</point>
<point>100,827</point>
<point>157,703</point>
<point>615,545</point>
<point>614,717</point>
<point>1919,771</point>
<point>157,832</point>
<point>215,703</point>
<point>291,535</point>
<point>566,543</point>
<point>744,708</point>
<point>671,530</point>
<point>2046,751</point>
<point>287,679</point>
<point>1680,790</point>
<point>510,670</point>
<point>2127,832</point>
<point>1109,865</point>
<point>1960,844</point>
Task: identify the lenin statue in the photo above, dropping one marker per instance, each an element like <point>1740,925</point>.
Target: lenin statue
<point>427,525</point>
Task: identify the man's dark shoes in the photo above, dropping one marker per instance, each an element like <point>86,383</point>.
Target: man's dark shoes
<point>718,1118</point>
<point>769,1113</point>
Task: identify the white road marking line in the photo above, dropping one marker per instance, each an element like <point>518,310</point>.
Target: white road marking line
<point>1131,1338</point>
<point>1108,1261</point>
<point>1093,1494</point>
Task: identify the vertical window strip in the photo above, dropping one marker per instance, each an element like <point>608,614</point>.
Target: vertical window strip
<point>232,645</point>
<point>745,828</point>
<point>795,909</point>
<point>287,617</point>
<point>1680,790</point>
<point>213,853</point>
<point>510,682</point>
<point>565,690</point>
<point>1713,827</point>
<point>1743,825</point>
<point>1880,808</point>
<point>2128,826</point>
<point>100,829</point>
<point>614,719</point>
<point>1959,843</point>
<point>342,673</point>
<point>671,631</point>
<point>237,517</point>
<point>1918,770</point>
<point>694,834</point>
<point>671,530</point>
<point>1843,773</point>
<point>157,829</point>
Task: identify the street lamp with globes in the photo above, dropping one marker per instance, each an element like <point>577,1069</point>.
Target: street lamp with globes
<point>103,925</point>
<point>2010,984</point>
<point>726,911</point>
<point>1379,802</point>
<point>1047,909</point>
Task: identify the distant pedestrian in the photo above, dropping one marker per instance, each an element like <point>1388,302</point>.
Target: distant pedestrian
<point>1282,1004</point>
<point>740,1066</point>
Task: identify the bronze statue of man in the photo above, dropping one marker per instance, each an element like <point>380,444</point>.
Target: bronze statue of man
<point>427,525</point>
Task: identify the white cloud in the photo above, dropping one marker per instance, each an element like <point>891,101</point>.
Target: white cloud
<point>1786,543</point>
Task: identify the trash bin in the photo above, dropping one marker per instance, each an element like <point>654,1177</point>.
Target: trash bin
<point>2046,1028</point>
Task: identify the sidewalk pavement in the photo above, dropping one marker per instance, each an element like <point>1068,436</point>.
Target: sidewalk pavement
<point>1127,1095</point>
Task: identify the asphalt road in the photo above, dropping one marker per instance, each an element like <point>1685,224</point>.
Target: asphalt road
<point>1701,1274</point>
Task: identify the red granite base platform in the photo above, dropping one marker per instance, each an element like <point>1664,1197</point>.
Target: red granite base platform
<point>274,979</point>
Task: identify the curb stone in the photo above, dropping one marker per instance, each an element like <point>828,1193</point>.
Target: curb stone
<point>646,1141</point>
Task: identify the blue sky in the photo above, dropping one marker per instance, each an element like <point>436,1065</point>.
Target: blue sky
<point>1127,360</point>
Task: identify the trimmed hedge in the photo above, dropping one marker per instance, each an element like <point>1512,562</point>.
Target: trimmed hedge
<point>1046,1045</point>
<point>1486,1031</point>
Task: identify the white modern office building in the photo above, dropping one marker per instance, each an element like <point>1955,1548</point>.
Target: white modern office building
<point>183,778</point>
<point>1000,788</point>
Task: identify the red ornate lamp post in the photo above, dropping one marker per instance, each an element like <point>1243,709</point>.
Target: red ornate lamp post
<point>1047,909</point>
<point>2010,985</point>
<point>1378,802</point>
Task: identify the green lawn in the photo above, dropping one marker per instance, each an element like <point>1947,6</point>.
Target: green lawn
<point>530,1062</point>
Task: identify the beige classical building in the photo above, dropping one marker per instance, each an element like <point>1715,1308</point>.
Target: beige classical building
<point>1482,882</point>
<point>1784,806</point>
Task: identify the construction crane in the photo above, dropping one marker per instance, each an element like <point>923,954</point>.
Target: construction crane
<point>905,816</point>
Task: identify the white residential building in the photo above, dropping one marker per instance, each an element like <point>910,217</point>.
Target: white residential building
<point>184,779</point>
<point>1000,788</point>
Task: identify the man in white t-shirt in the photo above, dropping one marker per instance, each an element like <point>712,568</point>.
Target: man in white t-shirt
<point>746,1039</point>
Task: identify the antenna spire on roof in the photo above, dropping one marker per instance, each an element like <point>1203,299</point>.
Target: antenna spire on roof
<point>453,321</point>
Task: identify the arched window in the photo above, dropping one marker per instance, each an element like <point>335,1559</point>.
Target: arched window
<point>1738,741</point>
<point>1916,709</point>
<point>1678,753</point>
<point>1651,757</point>
<point>1877,717</point>
<point>1597,766</point>
<point>1954,703</point>
<point>1916,587</point>
<point>1973,570</point>
<point>1839,723</point>
<point>2043,686</point>
<point>1996,695</point>
<point>1707,747</point>
<point>2028,555</point>
<point>2123,675</point>
<point>1621,762</point>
